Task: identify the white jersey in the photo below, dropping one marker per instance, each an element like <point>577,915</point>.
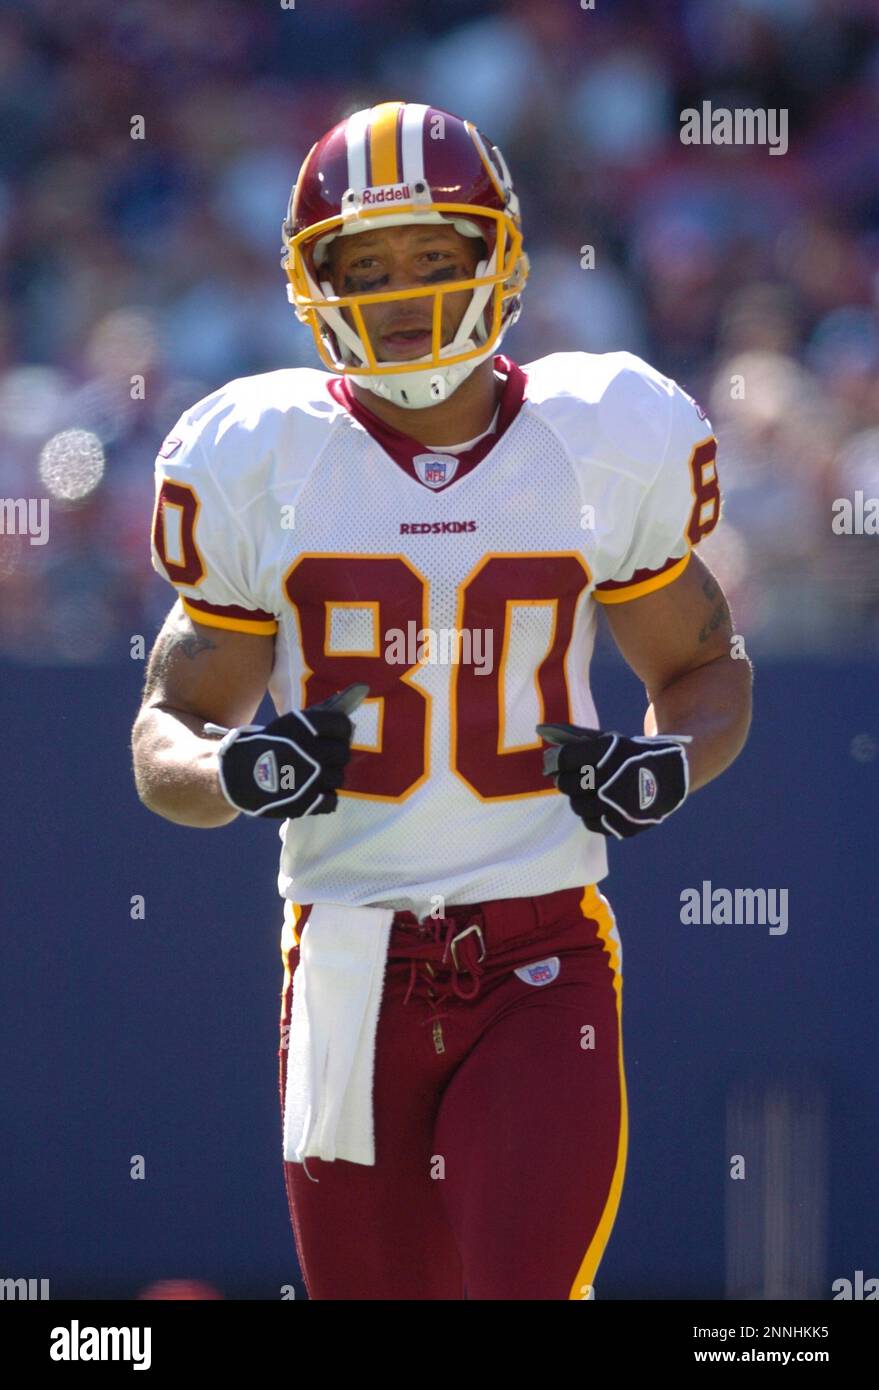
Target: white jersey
<point>461,588</point>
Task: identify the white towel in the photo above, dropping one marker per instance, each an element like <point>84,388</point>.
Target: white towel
<point>337,992</point>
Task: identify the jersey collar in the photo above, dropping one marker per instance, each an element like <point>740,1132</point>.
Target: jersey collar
<point>402,448</point>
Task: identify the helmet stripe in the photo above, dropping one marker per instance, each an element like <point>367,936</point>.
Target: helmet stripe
<point>355,132</point>
<point>383,142</point>
<point>413,141</point>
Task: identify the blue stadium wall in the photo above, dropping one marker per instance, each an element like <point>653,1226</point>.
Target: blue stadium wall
<point>158,1037</point>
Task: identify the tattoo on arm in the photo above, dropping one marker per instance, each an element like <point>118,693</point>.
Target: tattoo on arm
<point>194,643</point>
<point>168,645</point>
<point>720,614</point>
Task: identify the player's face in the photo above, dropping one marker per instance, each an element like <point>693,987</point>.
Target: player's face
<point>403,258</point>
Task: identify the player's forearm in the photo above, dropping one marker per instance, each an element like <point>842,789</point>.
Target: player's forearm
<point>713,705</point>
<point>176,769</point>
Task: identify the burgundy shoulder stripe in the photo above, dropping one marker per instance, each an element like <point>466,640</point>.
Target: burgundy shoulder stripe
<point>231,610</point>
<point>639,576</point>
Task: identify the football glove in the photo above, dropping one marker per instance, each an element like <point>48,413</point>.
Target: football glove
<point>617,786</point>
<point>293,766</point>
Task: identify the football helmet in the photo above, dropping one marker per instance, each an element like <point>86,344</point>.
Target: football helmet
<point>389,165</point>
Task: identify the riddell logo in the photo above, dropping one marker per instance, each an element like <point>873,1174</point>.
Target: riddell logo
<point>386,193</point>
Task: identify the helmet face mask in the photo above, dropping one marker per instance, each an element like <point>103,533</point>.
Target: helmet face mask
<point>489,210</point>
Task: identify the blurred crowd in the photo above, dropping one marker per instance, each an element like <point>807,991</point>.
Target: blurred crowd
<point>140,274</point>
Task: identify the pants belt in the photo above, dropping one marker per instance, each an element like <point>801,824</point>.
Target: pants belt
<point>467,934</point>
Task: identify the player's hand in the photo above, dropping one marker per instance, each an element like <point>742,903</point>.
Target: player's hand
<point>293,766</point>
<point>617,786</point>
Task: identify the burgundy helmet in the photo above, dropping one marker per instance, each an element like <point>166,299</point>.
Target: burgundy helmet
<point>389,165</point>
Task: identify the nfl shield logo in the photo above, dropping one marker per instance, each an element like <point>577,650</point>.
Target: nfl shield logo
<point>435,470</point>
<point>265,772</point>
<point>646,789</point>
<point>540,973</point>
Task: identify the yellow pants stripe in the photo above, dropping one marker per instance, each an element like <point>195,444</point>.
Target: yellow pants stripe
<point>596,907</point>
<point>289,937</point>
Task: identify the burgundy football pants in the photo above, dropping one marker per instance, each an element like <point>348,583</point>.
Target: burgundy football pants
<point>500,1111</point>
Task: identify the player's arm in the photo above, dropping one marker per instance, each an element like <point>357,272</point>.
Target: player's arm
<point>677,640</point>
<point>669,619</point>
<point>216,671</point>
<point>195,675</point>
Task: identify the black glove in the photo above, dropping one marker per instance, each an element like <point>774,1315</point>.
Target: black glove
<point>618,786</point>
<point>293,766</point>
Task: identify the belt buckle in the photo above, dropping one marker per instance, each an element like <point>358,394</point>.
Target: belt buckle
<point>473,927</point>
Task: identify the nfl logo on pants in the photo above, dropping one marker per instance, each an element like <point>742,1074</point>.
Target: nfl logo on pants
<point>540,972</point>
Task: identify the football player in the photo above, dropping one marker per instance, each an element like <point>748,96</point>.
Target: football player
<point>408,547</point>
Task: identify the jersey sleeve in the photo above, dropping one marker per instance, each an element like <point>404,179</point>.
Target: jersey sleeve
<point>201,540</point>
<point>680,506</point>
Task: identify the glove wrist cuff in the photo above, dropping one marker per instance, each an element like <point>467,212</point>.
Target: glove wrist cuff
<point>226,742</point>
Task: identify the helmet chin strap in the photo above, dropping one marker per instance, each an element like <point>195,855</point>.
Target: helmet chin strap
<point>416,390</point>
